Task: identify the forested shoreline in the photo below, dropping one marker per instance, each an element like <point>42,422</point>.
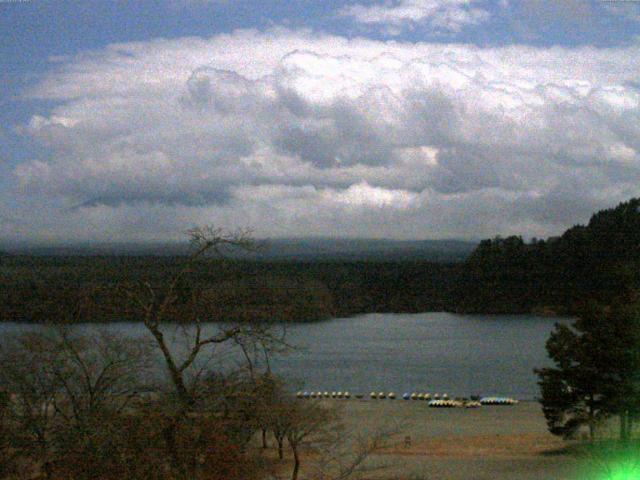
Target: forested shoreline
<point>504,275</point>
<point>32,288</point>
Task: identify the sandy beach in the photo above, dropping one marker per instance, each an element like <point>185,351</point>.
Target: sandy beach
<point>491,442</point>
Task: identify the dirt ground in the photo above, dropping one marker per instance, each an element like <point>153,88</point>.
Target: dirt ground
<point>491,442</point>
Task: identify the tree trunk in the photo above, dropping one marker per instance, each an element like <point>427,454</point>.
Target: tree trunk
<point>622,434</point>
<point>280,448</point>
<point>296,463</point>
<point>47,466</point>
<point>169,435</point>
<point>174,372</point>
<point>591,420</point>
<point>624,426</point>
<point>48,469</point>
<point>264,438</point>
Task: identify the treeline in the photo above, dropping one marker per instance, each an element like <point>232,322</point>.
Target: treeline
<point>597,262</point>
<point>37,289</point>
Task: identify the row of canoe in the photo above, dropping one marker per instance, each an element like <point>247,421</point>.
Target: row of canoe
<point>438,401</point>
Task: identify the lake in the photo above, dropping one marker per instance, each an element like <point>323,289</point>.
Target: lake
<point>440,352</point>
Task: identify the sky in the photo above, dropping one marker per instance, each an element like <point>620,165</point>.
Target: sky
<point>404,119</point>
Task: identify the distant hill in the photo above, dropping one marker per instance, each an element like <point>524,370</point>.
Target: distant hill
<point>364,249</point>
<point>306,249</point>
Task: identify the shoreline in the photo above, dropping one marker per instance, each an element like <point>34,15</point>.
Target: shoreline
<point>535,314</point>
<point>489,442</point>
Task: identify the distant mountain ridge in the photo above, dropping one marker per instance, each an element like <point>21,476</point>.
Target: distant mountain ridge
<point>307,249</point>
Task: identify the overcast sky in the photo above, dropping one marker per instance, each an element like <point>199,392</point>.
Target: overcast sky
<point>403,119</point>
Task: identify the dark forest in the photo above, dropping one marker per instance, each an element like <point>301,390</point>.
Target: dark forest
<point>596,261</point>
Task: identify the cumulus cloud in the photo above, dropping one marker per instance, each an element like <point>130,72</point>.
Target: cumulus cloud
<point>440,15</point>
<point>297,133</point>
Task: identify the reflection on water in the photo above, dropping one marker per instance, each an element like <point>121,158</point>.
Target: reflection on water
<point>431,352</point>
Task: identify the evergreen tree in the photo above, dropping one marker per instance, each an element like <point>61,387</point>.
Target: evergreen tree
<point>571,395</point>
<point>619,361</point>
<point>597,370</point>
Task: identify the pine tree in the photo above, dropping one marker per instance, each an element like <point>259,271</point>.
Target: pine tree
<point>597,370</point>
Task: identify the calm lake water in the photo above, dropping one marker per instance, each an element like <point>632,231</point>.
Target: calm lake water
<point>461,355</point>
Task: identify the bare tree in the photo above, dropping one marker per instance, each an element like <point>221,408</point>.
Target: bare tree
<point>336,451</point>
<point>6,454</point>
<point>276,417</point>
<point>97,373</point>
<point>305,419</point>
<point>342,453</point>
<point>62,386</point>
<point>156,305</point>
<point>32,388</point>
<point>178,300</point>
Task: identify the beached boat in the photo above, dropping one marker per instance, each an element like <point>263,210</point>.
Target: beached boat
<point>498,401</point>
<point>445,404</point>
